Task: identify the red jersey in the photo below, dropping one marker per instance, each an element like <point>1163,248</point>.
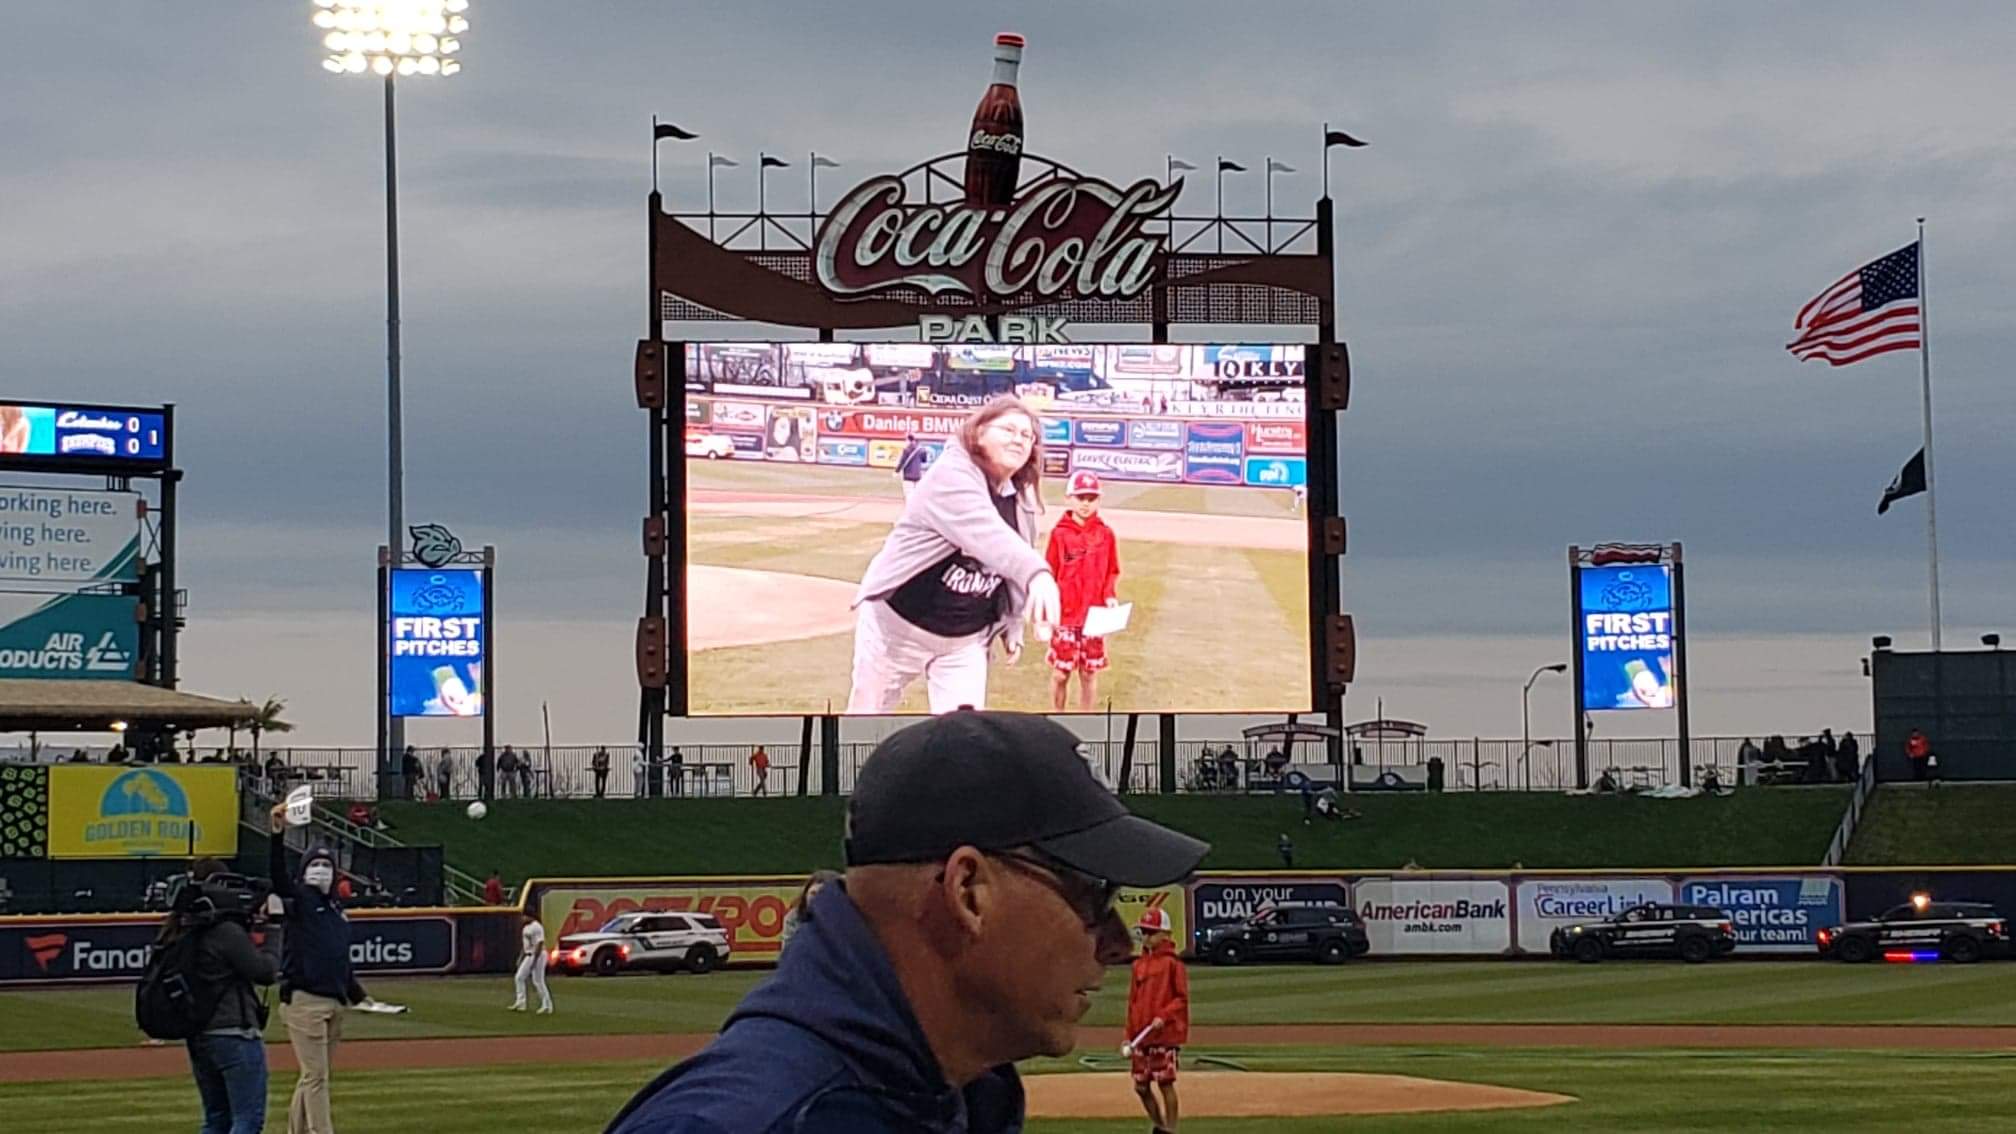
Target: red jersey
<point>1086,563</point>
<point>1161,987</point>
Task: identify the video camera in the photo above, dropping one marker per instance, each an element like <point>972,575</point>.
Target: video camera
<point>223,896</point>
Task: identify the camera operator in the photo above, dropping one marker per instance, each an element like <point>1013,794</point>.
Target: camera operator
<point>228,1058</point>
<point>316,984</point>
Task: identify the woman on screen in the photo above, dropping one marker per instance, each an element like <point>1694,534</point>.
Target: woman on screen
<point>959,570</point>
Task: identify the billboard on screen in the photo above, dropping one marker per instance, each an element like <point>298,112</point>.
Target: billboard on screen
<point>73,636</point>
<point>437,638</point>
<point>68,535</point>
<point>1625,616</point>
<point>872,566</point>
<point>83,434</point>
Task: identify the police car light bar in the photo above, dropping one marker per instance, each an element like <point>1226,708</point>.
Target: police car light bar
<point>1911,956</point>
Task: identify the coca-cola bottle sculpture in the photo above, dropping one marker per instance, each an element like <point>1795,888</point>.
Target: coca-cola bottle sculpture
<point>994,149</point>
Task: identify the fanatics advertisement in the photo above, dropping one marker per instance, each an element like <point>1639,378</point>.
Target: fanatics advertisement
<point>1548,904</point>
<point>933,526</point>
<point>437,642</point>
<point>1773,913</point>
<point>1626,620</point>
<point>116,949</point>
<point>1435,915</point>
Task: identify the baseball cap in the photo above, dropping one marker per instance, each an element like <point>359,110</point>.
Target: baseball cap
<point>996,781</point>
<point>1153,920</point>
<point>1084,482</point>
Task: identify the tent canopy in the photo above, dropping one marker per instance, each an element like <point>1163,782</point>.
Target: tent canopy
<point>31,705</point>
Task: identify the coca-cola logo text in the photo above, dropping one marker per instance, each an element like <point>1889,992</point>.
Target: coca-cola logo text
<point>1065,237</point>
<point>999,143</point>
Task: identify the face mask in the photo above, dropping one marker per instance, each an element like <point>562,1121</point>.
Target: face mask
<point>319,876</point>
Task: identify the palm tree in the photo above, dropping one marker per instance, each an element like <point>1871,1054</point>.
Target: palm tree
<point>266,720</point>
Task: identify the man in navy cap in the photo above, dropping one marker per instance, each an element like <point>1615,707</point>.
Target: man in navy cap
<point>973,925</point>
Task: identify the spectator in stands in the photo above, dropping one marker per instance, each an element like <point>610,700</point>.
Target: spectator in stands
<point>493,889</point>
<point>360,814</point>
<point>678,762</point>
<point>486,778</point>
<point>599,764</point>
<point>410,773</point>
<point>525,775</point>
<point>759,766</point>
<point>1918,752</point>
<point>1286,849</point>
<point>1813,760</point>
<point>444,775</point>
<point>117,755</point>
<point>1829,751</point>
<point>507,771</point>
<point>1749,753</point>
<point>80,757</point>
<point>276,774</point>
<point>639,774</point>
<point>1848,759</point>
<point>1228,769</point>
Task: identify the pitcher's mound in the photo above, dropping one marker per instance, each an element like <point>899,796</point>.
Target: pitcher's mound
<point>1234,1094</point>
<point>735,606</point>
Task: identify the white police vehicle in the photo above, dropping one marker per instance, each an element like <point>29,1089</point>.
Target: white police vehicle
<point>1921,930</point>
<point>1692,933</point>
<point>667,942</point>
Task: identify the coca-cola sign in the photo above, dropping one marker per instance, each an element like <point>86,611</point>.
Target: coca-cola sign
<point>1066,237</point>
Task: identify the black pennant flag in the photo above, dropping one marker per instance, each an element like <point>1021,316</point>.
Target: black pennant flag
<point>1910,481</point>
<point>664,130</point>
<point>1339,138</point>
<point>775,163</point>
<point>1227,165</point>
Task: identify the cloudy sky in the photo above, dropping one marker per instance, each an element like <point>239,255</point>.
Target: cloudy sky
<point>1570,259</point>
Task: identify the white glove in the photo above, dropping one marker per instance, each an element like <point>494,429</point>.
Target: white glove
<point>1045,605</point>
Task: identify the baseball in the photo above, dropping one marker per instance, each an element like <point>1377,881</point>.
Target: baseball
<point>1126,1051</point>
<point>477,810</point>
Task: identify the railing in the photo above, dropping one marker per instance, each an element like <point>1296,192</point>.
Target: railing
<point>725,770</point>
<point>1865,786</point>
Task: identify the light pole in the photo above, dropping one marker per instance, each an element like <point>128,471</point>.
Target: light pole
<point>391,39</point>
<point>1526,719</point>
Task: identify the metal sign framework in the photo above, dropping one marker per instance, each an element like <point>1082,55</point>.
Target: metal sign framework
<point>738,268</point>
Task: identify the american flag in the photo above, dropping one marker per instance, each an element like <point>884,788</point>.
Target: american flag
<point>1870,311</point>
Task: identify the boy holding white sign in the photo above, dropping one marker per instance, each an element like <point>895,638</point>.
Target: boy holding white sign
<point>1085,560</point>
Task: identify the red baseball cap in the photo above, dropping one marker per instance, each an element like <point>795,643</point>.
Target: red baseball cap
<point>1153,920</point>
<point>1084,482</point>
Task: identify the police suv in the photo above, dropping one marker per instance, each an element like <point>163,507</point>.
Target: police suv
<point>1962,932</point>
<point>1288,931</point>
<point>1692,933</point>
<point>664,941</point>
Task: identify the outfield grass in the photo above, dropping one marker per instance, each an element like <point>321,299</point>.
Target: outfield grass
<point>1960,825</point>
<point>1497,992</point>
<point>1628,1090</point>
<point>1487,830</point>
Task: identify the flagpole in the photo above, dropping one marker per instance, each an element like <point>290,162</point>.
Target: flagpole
<point>1270,202</point>
<point>1219,208</point>
<point>1925,385</point>
<point>762,222</point>
<point>812,200</point>
<point>710,194</point>
<point>654,153</point>
<point>1326,159</point>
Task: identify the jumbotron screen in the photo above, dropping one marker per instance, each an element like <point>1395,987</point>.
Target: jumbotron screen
<point>905,528</point>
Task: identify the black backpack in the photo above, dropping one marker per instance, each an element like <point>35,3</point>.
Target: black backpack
<point>172,1002</point>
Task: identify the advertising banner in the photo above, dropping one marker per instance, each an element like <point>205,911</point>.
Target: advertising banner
<point>83,433</point>
<point>1217,903</point>
<point>1123,464</point>
<point>843,451</point>
<point>24,811</point>
<point>885,454</point>
<point>1626,620</point>
<point>1277,472</point>
<point>1056,462</point>
<point>1277,437</point>
<point>1281,363</point>
<point>1155,435</point>
<point>1773,913</point>
<point>738,415</point>
<point>889,423</point>
<point>1072,358</point>
<point>1292,410</point>
<point>821,354</point>
<point>791,434</point>
<point>69,535</point>
<point>967,357</point>
<point>1169,899</point>
<point>1213,453</point>
<point>1056,431</point>
<point>69,636</point>
<point>100,811</point>
<point>437,638</point>
<point>1547,904</point>
<point>751,911</point>
<point>902,356</point>
<point>117,950</point>
<point>1143,360</point>
<point>748,446</point>
<point>1100,431</point>
<point>1405,916</point>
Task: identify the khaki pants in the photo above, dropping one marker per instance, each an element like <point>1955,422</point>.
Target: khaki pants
<point>314,1026</point>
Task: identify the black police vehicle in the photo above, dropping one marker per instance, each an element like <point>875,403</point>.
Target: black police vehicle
<point>1289,931</point>
<point>1961,932</point>
<point>1692,933</point>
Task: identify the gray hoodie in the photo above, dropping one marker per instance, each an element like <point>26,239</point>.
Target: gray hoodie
<point>952,510</point>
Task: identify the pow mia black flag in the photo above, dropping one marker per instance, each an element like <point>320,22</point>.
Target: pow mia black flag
<point>1910,481</point>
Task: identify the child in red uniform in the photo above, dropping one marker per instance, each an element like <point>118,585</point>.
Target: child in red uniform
<point>1158,1003</point>
<point>1085,561</point>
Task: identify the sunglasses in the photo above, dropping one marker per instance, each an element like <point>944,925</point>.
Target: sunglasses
<point>1089,897</point>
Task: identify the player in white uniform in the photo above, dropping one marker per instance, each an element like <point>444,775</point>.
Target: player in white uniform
<point>532,964</point>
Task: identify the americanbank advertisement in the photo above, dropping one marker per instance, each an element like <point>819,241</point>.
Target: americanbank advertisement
<point>1773,913</point>
<point>1625,617</point>
<point>69,636</point>
<point>115,812</point>
<point>1463,915</point>
<point>437,642</point>
<point>1548,904</point>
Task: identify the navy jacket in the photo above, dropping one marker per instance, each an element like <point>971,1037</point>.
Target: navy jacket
<point>315,948</point>
<point>827,1045</point>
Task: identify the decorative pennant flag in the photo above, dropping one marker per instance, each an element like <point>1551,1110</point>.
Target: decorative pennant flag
<point>1910,481</point>
<point>664,130</point>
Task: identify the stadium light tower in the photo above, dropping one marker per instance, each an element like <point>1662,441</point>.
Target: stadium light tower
<point>392,39</point>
